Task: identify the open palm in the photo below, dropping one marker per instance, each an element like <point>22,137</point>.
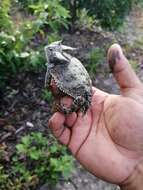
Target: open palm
<point>108,139</point>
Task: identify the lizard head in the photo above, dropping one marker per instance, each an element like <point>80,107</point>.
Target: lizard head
<point>54,52</point>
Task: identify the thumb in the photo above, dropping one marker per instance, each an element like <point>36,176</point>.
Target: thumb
<point>122,70</point>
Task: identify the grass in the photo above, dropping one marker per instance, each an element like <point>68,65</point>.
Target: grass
<point>95,59</point>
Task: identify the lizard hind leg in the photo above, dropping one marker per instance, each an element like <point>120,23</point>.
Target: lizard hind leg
<point>75,106</point>
<point>82,104</point>
<point>79,103</point>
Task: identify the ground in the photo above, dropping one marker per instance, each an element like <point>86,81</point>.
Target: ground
<point>24,108</point>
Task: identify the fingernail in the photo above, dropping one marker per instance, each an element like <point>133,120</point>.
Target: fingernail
<point>113,57</point>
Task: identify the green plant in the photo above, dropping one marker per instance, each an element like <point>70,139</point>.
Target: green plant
<point>134,64</point>
<point>50,14</point>
<point>138,44</point>
<point>46,95</point>
<point>3,176</point>
<point>53,37</point>
<point>138,2</point>
<point>5,181</point>
<point>85,21</point>
<point>19,48</point>
<point>94,59</point>
<point>40,160</point>
<point>109,12</point>
<point>24,4</point>
<point>16,55</point>
<point>6,22</point>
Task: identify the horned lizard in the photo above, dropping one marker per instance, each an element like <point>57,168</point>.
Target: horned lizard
<point>70,76</point>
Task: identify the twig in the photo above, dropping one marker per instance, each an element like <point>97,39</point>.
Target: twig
<point>19,130</point>
<point>5,137</point>
<point>74,185</point>
<point>13,104</point>
<point>11,133</point>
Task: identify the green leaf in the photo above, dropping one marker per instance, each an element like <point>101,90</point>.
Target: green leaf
<point>26,140</point>
<point>24,54</point>
<point>34,153</point>
<point>21,148</point>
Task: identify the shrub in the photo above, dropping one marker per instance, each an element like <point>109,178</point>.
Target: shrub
<point>15,53</point>
<point>19,49</point>
<point>24,4</point>
<point>50,14</point>
<point>42,159</point>
<point>15,56</point>
<point>85,21</point>
<point>109,12</point>
<point>37,160</point>
<point>6,22</point>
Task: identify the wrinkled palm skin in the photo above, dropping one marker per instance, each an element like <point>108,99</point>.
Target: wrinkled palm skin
<point>108,139</point>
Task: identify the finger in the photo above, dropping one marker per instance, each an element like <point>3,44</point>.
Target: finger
<point>71,119</point>
<point>80,131</point>
<point>56,124</point>
<point>121,68</point>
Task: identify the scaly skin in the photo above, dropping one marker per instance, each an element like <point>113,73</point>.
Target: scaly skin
<point>70,77</point>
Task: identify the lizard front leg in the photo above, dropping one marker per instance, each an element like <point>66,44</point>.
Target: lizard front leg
<point>48,78</point>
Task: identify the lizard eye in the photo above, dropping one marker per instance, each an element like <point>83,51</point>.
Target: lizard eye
<point>50,49</point>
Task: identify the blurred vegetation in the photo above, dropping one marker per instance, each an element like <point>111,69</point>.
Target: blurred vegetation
<point>22,41</point>
<point>85,21</point>
<point>38,160</point>
<point>95,58</point>
<point>134,64</point>
<point>46,95</point>
<point>110,13</point>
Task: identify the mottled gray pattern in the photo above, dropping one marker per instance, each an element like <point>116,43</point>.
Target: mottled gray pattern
<point>70,76</point>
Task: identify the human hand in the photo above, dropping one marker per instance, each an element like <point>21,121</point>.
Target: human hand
<point>108,139</point>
